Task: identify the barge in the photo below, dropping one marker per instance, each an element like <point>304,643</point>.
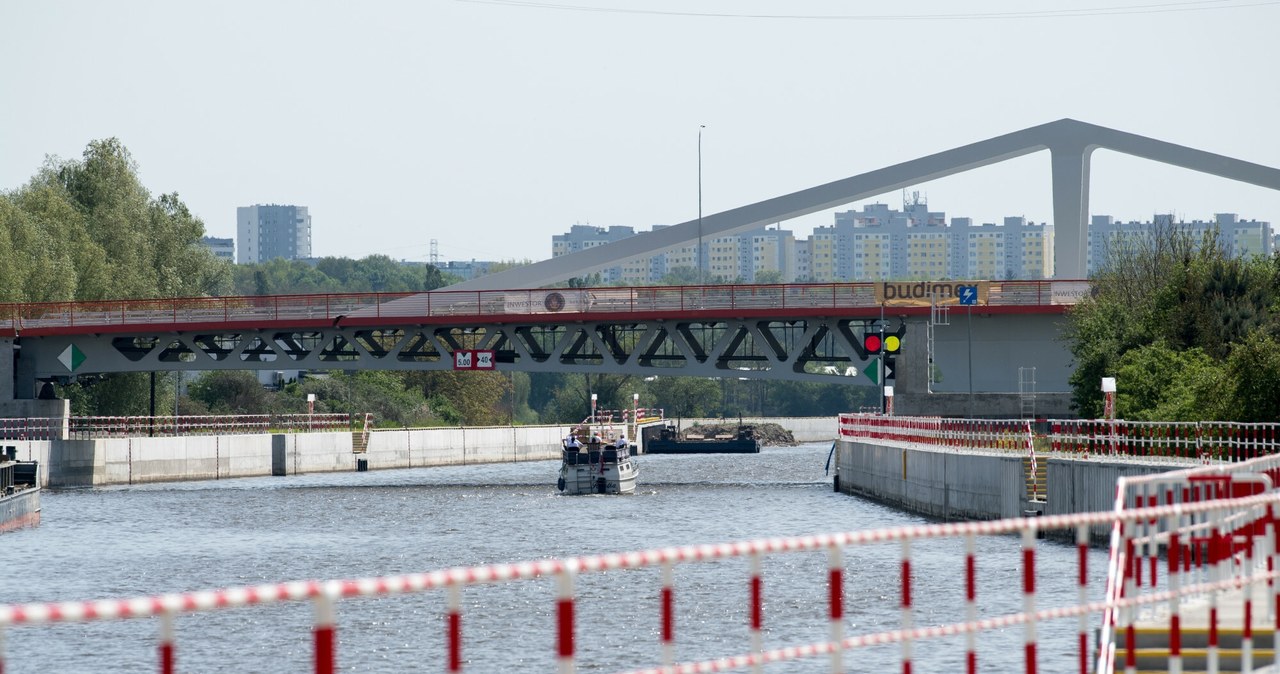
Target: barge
<point>19,491</point>
<point>669,441</point>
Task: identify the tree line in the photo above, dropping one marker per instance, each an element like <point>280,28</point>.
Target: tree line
<point>1188,331</point>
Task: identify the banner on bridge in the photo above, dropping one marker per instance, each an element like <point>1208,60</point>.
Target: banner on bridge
<point>907,294</point>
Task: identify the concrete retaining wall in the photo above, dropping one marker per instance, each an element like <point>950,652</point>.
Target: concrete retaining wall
<point>1090,486</point>
<point>936,483</point>
<point>977,486</point>
<point>411,448</point>
<point>73,463</point>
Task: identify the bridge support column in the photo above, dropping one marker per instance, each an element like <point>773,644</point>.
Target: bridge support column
<point>1070,167</point>
<point>18,391</point>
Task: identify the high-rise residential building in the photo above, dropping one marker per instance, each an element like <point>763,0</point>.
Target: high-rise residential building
<point>1238,238</point>
<point>223,249</point>
<point>767,251</point>
<point>879,243</point>
<point>582,237</point>
<point>268,231</point>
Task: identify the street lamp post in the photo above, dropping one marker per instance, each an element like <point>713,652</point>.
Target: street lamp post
<point>699,250</point>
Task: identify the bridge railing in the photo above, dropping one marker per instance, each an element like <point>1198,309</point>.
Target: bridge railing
<point>902,616</point>
<point>88,427</point>
<point>1203,441</point>
<point>330,309</point>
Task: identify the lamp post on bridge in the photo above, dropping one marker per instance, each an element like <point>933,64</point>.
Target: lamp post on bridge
<point>698,252</point>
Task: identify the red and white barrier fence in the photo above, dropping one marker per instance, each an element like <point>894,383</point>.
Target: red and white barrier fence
<point>1181,520</point>
<point>1194,547</point>
<point>1202,441</point>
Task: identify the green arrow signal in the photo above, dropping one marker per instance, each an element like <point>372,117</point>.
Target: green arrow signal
<point>873,371</point>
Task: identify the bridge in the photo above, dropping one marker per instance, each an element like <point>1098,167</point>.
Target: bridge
<point>797,332</point>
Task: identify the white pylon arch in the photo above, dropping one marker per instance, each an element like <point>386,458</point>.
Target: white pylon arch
<point>1070,142</point>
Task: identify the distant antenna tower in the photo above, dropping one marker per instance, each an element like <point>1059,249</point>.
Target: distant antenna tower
<point>435,253</point>
<point>913,201</point>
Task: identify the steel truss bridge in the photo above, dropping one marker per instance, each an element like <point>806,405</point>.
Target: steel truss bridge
<point>802,332</point>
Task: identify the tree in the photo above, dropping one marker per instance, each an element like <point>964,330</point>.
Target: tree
<point>463,397</point>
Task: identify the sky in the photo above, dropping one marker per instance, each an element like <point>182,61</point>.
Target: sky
<point>490,125</point>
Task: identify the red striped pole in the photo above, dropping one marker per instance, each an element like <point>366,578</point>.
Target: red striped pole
<point>906,605</point>
<point>454,628</point>
<point>1029,593</point>
<point>1246,635</point>
<point>835,590</point>
<point>1131,566</point>
<point>166,643</point>
<point>757,610</point>
<point>1214,576</point>
<point>323,632</point>
<point>1082,595</point>
<point>668,615</point>
<point>1273,547</point>
<point>1175,601</point>
<point>970,603</point>
<point>1152,545</point>
<point>564,620</point>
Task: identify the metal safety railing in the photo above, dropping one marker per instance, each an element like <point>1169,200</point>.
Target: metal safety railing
<point>325,309</point>
<point>946,617</point>
<point>1203,441</point>
<point>89,427</point>
<point>1204,547</point>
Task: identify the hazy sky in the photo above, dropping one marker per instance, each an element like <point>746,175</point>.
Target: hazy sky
<point>492,125</point>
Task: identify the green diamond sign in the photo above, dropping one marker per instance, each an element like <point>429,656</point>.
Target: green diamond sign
<point>873,371</point>
<point>71,358</point>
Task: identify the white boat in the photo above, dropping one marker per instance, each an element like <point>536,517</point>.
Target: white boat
<point>598,468</point>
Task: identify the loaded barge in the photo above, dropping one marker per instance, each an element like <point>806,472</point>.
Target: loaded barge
<point>668,441</point>
<point>19,491</point>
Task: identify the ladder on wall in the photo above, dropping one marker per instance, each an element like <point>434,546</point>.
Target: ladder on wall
<point>938,315</point>
<point>1027,392</point>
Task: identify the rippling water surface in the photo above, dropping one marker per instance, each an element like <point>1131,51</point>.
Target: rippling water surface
<point>139,540</point>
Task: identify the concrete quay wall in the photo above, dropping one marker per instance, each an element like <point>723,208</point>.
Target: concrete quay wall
<point>954,484</point>
<point>412,448</point>
<point>110,461</point>
<point>942,484</point>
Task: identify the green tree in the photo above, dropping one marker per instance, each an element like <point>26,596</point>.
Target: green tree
<point>685,396</point>
<point>231,392</point>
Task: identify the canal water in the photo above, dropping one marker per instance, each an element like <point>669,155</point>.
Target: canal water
<point>148,539</point>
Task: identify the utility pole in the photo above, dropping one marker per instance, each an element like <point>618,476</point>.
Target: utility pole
<point>698,253</point>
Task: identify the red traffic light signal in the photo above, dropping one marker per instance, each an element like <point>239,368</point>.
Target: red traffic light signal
<point>872,343</point>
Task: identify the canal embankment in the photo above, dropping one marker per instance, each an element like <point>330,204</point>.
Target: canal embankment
<point>973,484</point>
<point>137,460</point>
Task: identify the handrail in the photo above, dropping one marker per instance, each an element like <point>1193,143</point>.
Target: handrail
<point>1164,441</point>
<point>326,309</point>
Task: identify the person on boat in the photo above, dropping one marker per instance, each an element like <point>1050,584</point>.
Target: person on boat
<point>595,438</point>
<point>621,442</point>
<point>571,443</point>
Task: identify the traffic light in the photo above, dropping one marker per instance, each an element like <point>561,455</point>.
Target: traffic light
<point>892,344</point>
<point>872,344</point>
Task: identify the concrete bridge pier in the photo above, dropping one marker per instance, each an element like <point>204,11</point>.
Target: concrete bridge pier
<point>978,367</point>
<point>18,391</point>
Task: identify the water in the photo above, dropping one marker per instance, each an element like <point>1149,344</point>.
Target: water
<point>141,540</point>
